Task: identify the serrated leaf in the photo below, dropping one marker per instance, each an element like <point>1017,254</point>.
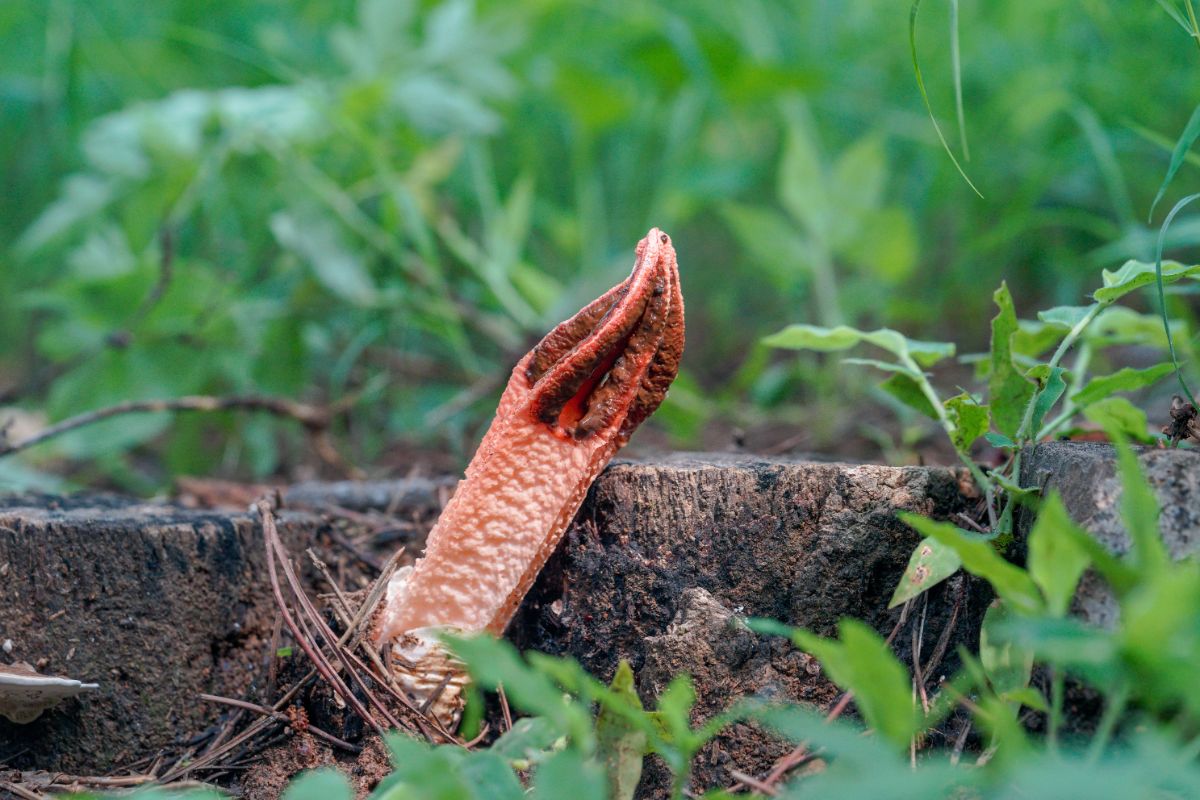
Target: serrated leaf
<point>978,556</point>
<point>1055,561</point>
<point>1134,275</point>
<point>970,420</point>
<point>1120,414</point>
<point>621,745</point>
<point>1008,666</point>
<point>1008,391</point>
<point>1124,380</point>
<point>843,337</point>
<point>930,564</point>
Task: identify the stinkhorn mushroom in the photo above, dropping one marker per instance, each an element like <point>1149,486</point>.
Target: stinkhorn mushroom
<point>570,405</point>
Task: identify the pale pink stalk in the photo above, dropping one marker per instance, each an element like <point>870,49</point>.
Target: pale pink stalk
<point>570,405</point>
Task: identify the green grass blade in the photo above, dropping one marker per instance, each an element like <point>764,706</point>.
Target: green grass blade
<point>1190,132</point>
<point>1162,295</point>
<point>912,43</point>
<point>1174,14</point>
<point>956,66</point>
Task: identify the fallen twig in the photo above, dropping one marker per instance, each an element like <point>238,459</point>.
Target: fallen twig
<point>279,715</point>
<point>313,418</point>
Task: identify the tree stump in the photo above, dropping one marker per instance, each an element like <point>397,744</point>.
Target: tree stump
<point>666,559</point>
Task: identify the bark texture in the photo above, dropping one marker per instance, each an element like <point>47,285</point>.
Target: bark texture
<point>660,567</point>
<point>1085,475</point>
<point>666,559</point>
<point>155,604</point>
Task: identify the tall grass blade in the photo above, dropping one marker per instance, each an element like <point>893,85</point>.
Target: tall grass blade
<point>1170,8</point>
<point>912,43</point>
<point>1190,132</point>
<point>1162,295</point>
<point>956,65</point>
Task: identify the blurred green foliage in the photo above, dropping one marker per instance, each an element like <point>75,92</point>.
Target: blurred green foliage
<point>389,200</point>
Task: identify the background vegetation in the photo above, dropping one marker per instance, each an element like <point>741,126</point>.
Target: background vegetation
<point>380,204</point>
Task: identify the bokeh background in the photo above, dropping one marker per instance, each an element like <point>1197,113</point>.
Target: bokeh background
<point>380,205</point>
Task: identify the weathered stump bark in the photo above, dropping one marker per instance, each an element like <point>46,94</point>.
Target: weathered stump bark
<point>153,603</point>
<point>157,604</point>
<point>663,562</point>
<point>666,558</point>
<point>1085,474</point>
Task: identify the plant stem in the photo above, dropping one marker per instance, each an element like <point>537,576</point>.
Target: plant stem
<point>1069,410</point>
<point>927,389</point>
<point>1112,713</point>
<point>1024,431</point>
<point>1057,685</point>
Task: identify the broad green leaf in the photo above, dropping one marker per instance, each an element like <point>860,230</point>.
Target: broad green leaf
<point>1117,325</point>
<point>1008,390</point>
<point>335,266</point>
<point>970,421</point>
<point>1008,665</point>
<point>1065,317</point>
<point>489,777</point>
<point>673,713</point>
<point>885,245</point>
<point>1139,510</point>
<point>423,771</point>
<point>83,197</point>
<point>930,563</point>
<point>772,240</point>
<point>1031,340</point>
<point>802,184</point>
<point>978,556</point>
<point>1134,275</point>
<point>840,739</point>
<point>885,366</point>
<point>1027,696</point>
<point>1120,414</point>
<point>1051,390</point>
<point>1055,561</point>
<point>1066,642</point>
<point>1022,494</point>
<point>493,662</point>
<point>620,744</point>
<point>321,784</point>
<point>999,440</point>
<point>908,391</point>
<point>861,662</point>
<point>529,736</point>
<point>1124,380</point>
<point>843,337</point>
<point>568,775</point>
<point>1190,132</point>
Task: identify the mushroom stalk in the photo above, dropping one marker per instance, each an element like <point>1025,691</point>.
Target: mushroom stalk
<point>570,405</point>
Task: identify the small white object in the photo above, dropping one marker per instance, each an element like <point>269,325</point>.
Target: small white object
<point>7,646</point>
<point>25,693</point>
